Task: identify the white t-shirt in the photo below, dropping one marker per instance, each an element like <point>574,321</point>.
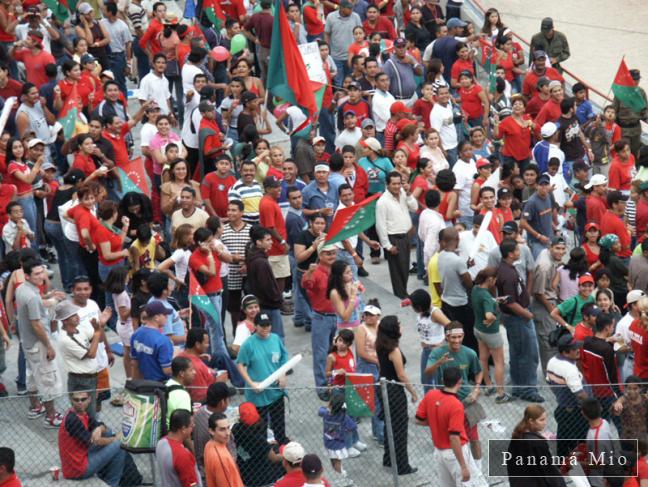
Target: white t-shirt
<point>189,71</point>
<point>242,334</point>
<point>623,328</point>
<point>348,137</point>
<point>441,119</point>
<point>188,137</point>
<point>147,133</point>
<point>89,311</point>
<point>430,332</point>
<point>22,30</point>
<point>560,186</point>
<point>466,244</point>
<point>153,87</point>
<point>180,258</point>
<point>465,174</point>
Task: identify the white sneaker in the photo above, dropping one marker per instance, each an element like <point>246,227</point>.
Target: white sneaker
<point>353,453</point>
<point>360,446</point>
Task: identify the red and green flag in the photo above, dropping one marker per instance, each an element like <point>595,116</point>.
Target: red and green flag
<point>214,13</point>
<point>61,8</point>
<point>489,62</point>
<point>359,395</point>
<point>69,114</point>
<point>198,297</point>
<point>352,220</point>
<point>625,89</point>
<point>133,177</point>
<point>287,74</point>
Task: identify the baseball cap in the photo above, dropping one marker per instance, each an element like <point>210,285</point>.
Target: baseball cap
<point>400,42</point>
<point>262,319</point>
<point>510,227</point>
<point>399,107</point>
<point>567,343</point>
<point>454,22</point>
<point>596,180</point>
<point>248,414</point>
<point>64,310</point>
<point>346,4</point>
<point>318,139</point>
<point>34,142</point>
<point>353,86</point>
<point>554,83</point>
<point>591,225</point>
<point>271,182</point>
<point>85,8</point>
<point>367,122</point>
<point>557,241</point>
<point>504,193</point>
<point>483,162</point>
<point>547,24</point>
<point>544,179</point>
<point>87,58</point>
<point>548,129</point>
<point>404,122</point>
<point>311,464</point>
<point>371,143</point>
<point>585,278</point>
<point>156,308</point>
<point>47,166</point>
<point>643,186</point>
<point>349,113</point>
<point>218,391</point>
<point>292,452</point>
<point>247,97</point>
<point>108,74</point>
<point>539,55</point>
<point>633,296</point>
<point>592,310</point>
<point>373,310</point>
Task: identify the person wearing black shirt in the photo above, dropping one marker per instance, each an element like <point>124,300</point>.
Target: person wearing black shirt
<point>572,139</point>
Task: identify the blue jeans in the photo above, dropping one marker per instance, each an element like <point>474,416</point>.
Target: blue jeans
<point>104,270</point>
<point>109,460</point>
<point>524,356</point>
<point>377,425</point>
<point>346,257</point>
<point>310,38</point>
<point>54,232</point>
<point>536,247</point>
<point>143,66</point>
<point>426,381</point>
<point>277,321</point>
<point>302,307</point>
<point>327,129</point>
<point>222,361</point>
<point>568,170</point>
<point>118,67</point>
<point>28,205</point>
<point>342,71</point>
<point>452,155</point>
<point>322,333</point>
<point>466,220</point>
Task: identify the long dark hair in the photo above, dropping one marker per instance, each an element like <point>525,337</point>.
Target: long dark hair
<point>116,280</point>
<point>336,280</point>
<point>577,264</point>
<point>9,154</point>
<point>388,335</point>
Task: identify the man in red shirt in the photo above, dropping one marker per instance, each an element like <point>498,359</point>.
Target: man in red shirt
<point>196,346</point>
<point>8,477</point>
<point>177,465</point>
<point>638,333</point>
<point>551,111</point>
<point>443,413</point>
<point>215,186</point>
<point>377,23</point>
<point>539,98</point>
<point>149,41</point>
<point>539,70</point>
<point>313,22</point>
<point>8,87</point>
<point>612,221</point>
<point>31,53</point>
<point>115,132</point>
<point>324,321</point>
<point>597,201</point>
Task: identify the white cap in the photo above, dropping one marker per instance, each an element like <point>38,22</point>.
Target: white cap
<point>372,310</point>
<point>634,296</point>
<point>597,180</point>
<point>318,139</point>
<point>108,73</point>
<point>371,143</point>
<point>548,129</point>
<point>293,452</point>
<point>35,142</point>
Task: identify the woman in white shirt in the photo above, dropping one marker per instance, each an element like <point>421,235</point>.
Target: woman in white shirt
<point>433,151</point>
<point>181,244</point>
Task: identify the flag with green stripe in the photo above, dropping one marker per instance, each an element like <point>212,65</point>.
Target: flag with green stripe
<point>359,395</point>
<point>625,89</point>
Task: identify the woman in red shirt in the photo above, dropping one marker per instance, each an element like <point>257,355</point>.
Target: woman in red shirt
<point>423,182</point>
<point>313,21</point>
<point>474,101</point>
<point>622,168</point>
<point>83,158</point>
<point>591,246</point>
<point>445,183</point>
<point>71,83</point>
<point>484,169</point>
<point>408,136</point>
<point>516,132</point>
<point>90,80</point>
<point>359,43</point>
<point>463,63</point>
<point>507,58</point>
<point>21,176</point>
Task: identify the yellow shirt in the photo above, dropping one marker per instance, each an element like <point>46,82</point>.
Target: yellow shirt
<point>434,277</point>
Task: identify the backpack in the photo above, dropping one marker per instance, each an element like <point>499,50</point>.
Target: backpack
<point>144,414</point>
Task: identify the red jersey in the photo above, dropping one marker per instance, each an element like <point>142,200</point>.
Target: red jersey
<point>361,184</point>
<point>471,103</point>
<point>74,443</point>
<point>641,217</point>
<point>581,332</point>
<point>270,216</point>
<point>83,219</point>
<point>611,223</point>
<point>214,284</point>
<point>234,9</point>
<point>85,163</point>
<point>204,378</point>
<point>596,208</point>
<point>18,167</point>
<point>14,481</point>
<point>119,145</point>
<point>621,173</point>
<point>535,105</point>
<point>347,363</point>
<point>424,184</point>
<point>590,256</point>
<point>517,139</point>
<point>421,109</point>
<point>102,234</point>
<point>35,65</point>
<point>316,287</point>
<point>462,65</point>
<point>639,344</point>
<point>361,110</point>
<point>550,112</point>
<point>83,91</point>
<point>214,188</point>
<point>12,88</point>
<point>314,25</point>
<point>7,193</point>
<point>444,414</point>
<point>495,225</point>
<point>150,37</point>
<point>530,84</point>
<point>383,25</point>
<point>295,479</point>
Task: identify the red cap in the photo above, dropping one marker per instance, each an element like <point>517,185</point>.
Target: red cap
<point>589,226</point>
<point>399,107</point>
<point>585,278</point>
<point>248,414</point>
<point>483,162</point>
<point>401,124</point>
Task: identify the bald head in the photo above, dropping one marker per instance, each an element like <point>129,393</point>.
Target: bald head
<point>449,238</point>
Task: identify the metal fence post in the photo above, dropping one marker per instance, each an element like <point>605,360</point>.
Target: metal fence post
<point>390,432</point>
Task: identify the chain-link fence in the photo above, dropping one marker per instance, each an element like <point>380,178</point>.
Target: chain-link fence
<point>37,449</point>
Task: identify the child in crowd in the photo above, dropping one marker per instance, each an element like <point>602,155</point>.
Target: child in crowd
<point>116,284</point>
<point>561,190</point>
<point>244,329</point>
<point>599,438</point>
<point>337,425</point>
<point>632,408</point>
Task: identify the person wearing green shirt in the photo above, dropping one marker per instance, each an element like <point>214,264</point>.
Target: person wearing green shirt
<point>182,376</point>
<point>261,355</point>
<point>569,312</point>
<point>455,354</point>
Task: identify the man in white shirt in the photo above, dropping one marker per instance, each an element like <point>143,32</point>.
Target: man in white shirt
<point>155,86</point>
<point>381,102</point>
<point>442,119</point>
<point>467,242</point>
<point>149,129</point>
<point>192,116</point>
<point>623,327</point>
<point>392,224</point>
<point>430,224</point>
<point>351,134</point>
<point>465,174</point>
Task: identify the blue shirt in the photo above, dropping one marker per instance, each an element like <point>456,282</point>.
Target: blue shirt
<point>262,357</point>
<point>153,352</point>
<point>174,325</point>
<point>336,428</point>
<point>315,198</point>
<point>538,213</point>
<point>295,224</point>
<point>585,112</point>
<point>445,49</point>
<point>283,197</point>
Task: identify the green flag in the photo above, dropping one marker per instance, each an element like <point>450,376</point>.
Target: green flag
<point>625,89</point>
<point>352,220</point>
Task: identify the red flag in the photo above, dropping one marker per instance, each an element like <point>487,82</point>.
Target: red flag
<point>359,395</point>
<point>625,89</point>
<point>352,220</point>
<point>133,177</point>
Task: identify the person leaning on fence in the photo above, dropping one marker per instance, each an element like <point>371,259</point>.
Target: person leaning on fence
<point>569,390</point>
<point>220,466</point>
<point>87,448</point>
<point>391,362</point>
<point>8,477</point>
<point>443,412</point>
<point>176,464</point>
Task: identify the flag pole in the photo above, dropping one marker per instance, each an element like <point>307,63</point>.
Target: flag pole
<point>190,309</point>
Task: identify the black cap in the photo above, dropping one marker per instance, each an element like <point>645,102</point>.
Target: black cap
<point>557,241</point>
<point>354,86</point>
<point>262,319</point>
<point>547,24</point>
<point>271,182</point>
<point>544,179</point>
<point>218,391</point>
<point>567,343</point>
<point>247,97</point>
<point>542,82</point>
<point>207,92</point>
<point>510,228</point>
<point>504,193</point>
<point>311,464</point>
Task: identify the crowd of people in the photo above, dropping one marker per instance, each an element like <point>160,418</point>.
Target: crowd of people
<point>170,219</point>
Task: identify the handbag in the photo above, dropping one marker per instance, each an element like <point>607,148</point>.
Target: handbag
<point>172,69</point>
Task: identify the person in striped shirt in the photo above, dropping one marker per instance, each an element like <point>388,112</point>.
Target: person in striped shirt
<point>248,191</point>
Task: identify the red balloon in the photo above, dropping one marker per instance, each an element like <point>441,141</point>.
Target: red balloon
<point>220,54</point>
